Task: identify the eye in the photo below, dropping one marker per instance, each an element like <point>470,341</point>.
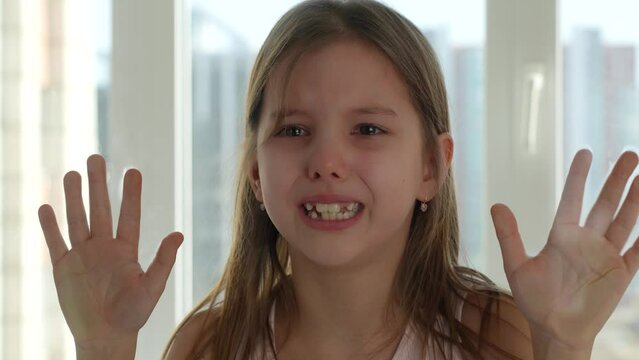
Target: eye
<point>370,129</point>
<point>288,130</point>
<point>295,131</point>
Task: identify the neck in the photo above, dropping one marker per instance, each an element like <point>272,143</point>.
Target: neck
<point>344,311</point>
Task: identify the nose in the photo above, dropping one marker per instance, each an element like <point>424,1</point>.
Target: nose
<point>327,159</point>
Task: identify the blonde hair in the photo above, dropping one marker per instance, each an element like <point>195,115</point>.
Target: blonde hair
<point>429,281</point>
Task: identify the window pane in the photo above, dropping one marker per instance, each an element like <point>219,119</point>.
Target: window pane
<point>53,91</point>
<point>226,39</point>
<point>601,112</point>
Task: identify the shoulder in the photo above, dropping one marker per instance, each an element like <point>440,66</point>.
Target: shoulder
<point>504,325</point>
<point>185,337</point>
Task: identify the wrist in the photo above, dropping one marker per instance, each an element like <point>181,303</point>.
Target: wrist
<point>121,348</point>
<point>546,348</point>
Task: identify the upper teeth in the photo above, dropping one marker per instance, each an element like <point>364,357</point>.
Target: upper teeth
<point>331,208</point>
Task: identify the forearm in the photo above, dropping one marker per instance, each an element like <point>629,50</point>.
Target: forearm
<point>547,349</point>
<point>123,349</point>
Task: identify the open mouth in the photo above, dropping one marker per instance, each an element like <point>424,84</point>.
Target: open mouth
<point>332,212</point>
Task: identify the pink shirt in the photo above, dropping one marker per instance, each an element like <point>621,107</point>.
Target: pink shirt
<point>409,347</point>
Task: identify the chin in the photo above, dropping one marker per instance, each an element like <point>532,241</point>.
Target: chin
<point>335,254</point>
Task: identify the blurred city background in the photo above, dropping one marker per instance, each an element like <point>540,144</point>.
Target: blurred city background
<point>54,91</point>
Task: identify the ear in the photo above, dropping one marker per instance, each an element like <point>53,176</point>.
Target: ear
<point>254,179</point>
<point>431,184</point>
<point>446,148</point>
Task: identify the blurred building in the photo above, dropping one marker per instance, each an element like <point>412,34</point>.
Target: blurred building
<point>601,111</point>
<point>463,70</point>
<point>620,95</point>
<point>584,111</point>
<point>48,113</point>
<point>221,65</point>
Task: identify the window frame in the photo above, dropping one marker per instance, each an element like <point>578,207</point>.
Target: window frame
<point>150,95</point>
<point>522,39</point>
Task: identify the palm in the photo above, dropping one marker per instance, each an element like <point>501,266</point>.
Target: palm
<point>588,265</point>
<point>100,267</point>
<point>103,291</point>
<point>573,285</point>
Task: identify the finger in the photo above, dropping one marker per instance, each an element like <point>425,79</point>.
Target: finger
<point>101,223</point>
<point>607,203</point>
<point>160,268</point>
<point>512,247</point>
<point>52,235</point>
<point>620,229</point>
<point>569,210</point>
<point>76,216</point>
<point>129,221</point>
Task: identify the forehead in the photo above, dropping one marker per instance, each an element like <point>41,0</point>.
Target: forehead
<point>340,75</point>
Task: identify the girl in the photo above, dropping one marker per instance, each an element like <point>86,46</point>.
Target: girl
<point>345,237</point>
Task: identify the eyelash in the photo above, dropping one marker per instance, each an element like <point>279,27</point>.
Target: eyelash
<point>287,127</point>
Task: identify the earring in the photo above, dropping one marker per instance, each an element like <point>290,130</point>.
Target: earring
<point>424,206</point>
<point>257,184</point>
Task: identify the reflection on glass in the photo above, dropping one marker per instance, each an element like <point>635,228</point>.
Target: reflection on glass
<point>221,64</point>
<point>601,112</point>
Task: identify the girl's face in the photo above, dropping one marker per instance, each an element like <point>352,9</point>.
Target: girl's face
<point>351,131</point>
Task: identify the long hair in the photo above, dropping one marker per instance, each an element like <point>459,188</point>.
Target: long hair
<point>428,283</point>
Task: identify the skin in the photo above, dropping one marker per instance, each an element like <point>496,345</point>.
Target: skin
<point>342,279</point>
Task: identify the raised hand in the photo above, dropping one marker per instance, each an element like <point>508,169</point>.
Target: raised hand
<point>570,289</point>
<point>103,292</point>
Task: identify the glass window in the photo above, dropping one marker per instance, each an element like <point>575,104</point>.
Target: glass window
<point>225,41</point>
<point>53,92</point>
<point>601,112</point>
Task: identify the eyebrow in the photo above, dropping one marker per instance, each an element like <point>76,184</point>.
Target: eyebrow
<point>367,110</point>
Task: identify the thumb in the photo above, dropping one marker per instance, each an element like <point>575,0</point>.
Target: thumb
<point>160,268</point>
<point>512,247</point>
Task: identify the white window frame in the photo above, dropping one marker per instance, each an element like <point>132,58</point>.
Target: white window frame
<point>524,169</point>
<point>149,128</point>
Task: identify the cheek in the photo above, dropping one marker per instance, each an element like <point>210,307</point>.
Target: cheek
<point>393,181</point>
<point>277,173</point>
<point>394,169</point>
